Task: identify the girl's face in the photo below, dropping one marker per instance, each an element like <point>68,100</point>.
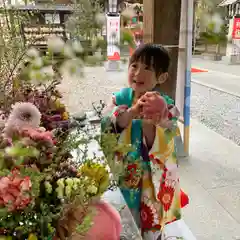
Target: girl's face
<point>141,78</point>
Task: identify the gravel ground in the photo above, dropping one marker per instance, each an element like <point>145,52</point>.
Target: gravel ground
<point>217,110</point>
<point>97,84</point>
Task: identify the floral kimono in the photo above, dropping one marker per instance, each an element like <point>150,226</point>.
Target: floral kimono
<point>150,183</point>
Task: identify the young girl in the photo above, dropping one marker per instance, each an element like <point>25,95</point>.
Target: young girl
<point>146,119</point>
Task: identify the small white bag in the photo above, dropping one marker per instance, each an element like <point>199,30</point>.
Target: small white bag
<point>177,230</point>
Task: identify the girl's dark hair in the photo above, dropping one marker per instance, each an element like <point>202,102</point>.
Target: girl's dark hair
<point>153,55</point>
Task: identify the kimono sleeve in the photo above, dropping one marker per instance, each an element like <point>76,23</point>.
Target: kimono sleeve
<point>109,120</point>
<point>163,162</point>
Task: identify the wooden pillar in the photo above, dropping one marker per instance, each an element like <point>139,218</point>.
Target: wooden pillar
<point>161,25</point>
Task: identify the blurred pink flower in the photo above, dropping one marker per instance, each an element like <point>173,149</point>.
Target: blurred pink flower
<point>14,191</point>
<point>24,114</point>
<point>38,135</point>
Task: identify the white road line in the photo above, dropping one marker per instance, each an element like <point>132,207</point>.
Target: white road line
<point>218,72</point>
<point>224,73</point>
<point>216,88</point>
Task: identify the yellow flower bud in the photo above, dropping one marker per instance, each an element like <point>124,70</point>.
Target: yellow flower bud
<point>59,192</point>
<point>60,182</point>
<point>32,237</point>
<point>69,181</point>
<point>92,189</point>
<point>65,116</point>
<point>68,191</point>
<point>57,103</point>
<point>5,238</point>
<point>76,183</point>
<point>48,187</point>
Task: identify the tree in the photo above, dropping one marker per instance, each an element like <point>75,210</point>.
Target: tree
<point>82,23</point>
<point>204,11</point>
<point>214,36</point>
<point>12,49</point>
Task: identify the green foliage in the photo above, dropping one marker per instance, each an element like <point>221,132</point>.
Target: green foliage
<point>12,50</point>
<point>86,223</point>
<point>82,23</point>
<point>111,147</point>
<point>211,36</point>
<point>127,38</point>
<point>57,182</point>
<point>208,7</point>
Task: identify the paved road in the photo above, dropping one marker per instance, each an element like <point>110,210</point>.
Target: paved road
<point>220,76</point>
<point>217,110</point>
<point>216,98</point>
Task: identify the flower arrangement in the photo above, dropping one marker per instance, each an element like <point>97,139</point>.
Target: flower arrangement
<point>36,189</point>
<point>44,192</point>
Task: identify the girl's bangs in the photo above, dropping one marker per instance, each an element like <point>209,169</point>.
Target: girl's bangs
<point>144,58</point>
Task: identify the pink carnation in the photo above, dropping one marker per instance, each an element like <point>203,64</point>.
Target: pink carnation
<point>38,135</point>
<point>14,191</point>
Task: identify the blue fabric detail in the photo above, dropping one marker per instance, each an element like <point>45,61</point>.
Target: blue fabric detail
<point>133,196</point>
<point>124,97</point>
<point>136,135</point>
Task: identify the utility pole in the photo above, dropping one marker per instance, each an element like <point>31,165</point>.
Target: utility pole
<point>161,25</point>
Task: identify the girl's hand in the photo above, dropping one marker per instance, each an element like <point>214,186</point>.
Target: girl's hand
<point>136,109</point>
<point>154,107</point>
<point>127,115</point>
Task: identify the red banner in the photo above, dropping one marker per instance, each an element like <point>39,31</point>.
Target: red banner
<point>236,28</point>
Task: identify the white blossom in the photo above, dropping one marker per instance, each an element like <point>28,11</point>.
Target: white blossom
<point>128,13</point>
<point>100,18</point>
<point>38,62</point>
<point>32,53</point>
<point>23,114</point>
<point>71,67</point>
<point>218,21</point>
<point>68,52</point>
<point>55,44</point>
<point>77,47</point>
<point>35,77</point>
<point>47,71</point>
